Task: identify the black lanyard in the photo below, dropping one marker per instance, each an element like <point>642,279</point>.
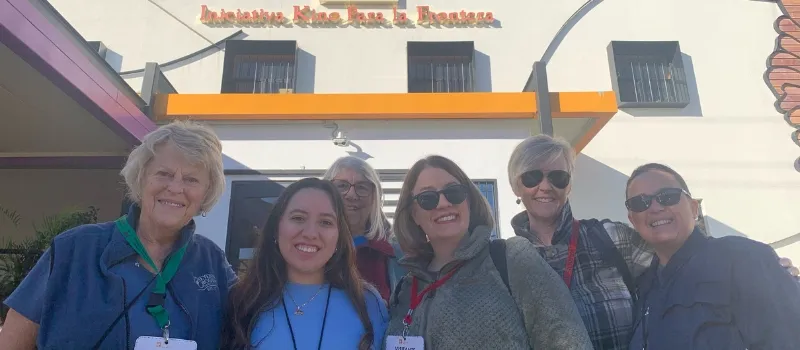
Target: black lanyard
<point>324,318</point>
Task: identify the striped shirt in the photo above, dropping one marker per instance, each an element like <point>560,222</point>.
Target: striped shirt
<point>597,286</point>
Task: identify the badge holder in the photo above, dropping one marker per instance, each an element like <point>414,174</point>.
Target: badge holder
<point>157,301</point>
<point>404,342</point>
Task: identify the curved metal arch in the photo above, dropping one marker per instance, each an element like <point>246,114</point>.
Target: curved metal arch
<point>165,66</point>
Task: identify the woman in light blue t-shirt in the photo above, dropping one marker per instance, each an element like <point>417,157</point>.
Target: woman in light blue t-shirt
<point>302,290</point>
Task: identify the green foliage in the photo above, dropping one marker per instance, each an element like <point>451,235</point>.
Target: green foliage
<point>18,258</point>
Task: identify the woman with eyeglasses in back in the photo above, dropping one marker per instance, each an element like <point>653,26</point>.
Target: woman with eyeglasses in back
<point>701,292</point>
<point>463,292</point>
<point>376,254</point>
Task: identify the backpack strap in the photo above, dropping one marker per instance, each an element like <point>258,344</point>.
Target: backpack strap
<point>610,253</point>
<point>395,294</point>
<point>395,272</point>
<point>497,250</point>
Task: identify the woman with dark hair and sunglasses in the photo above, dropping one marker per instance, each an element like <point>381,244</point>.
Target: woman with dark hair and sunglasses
<point>457,295</point>
<point>302,290</point>
<point>701,292</point>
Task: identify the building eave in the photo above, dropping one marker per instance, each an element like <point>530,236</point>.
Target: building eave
<point>37,33</point>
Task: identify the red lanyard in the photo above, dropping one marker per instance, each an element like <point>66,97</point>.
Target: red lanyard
<point>416,297</point>
<point>573,246</point>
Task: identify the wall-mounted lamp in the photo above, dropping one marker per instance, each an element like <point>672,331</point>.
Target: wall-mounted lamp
<point>337,136</point>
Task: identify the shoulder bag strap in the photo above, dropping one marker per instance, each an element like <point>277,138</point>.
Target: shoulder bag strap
<point>597,233</point>
<point>497,250</point>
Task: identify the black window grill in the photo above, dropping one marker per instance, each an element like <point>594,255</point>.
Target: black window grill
<point>260,66</point>
<point>264,74</point>
<point>649,74</point>
<point>441,74</point>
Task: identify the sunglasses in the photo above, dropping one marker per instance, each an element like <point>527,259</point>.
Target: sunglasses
<point>558,178</point>
<point>429,200</point>
<point>362,189</point>
<point>666,197</point>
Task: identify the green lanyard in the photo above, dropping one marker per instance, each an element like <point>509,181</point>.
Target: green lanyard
<point>155,306</point>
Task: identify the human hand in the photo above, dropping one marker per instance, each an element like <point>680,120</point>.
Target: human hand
<point>787,264</point>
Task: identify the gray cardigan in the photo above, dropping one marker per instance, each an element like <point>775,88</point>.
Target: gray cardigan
<point>474,310</point>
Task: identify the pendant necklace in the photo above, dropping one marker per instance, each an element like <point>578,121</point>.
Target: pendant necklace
<point>298,310</point>
<point>324,321</point>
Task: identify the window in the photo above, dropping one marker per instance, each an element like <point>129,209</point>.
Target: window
<point>259,67</point>
<point>488,189</point>
<point>441,66</point>
<point>648,74</point>
<point>252,200</point>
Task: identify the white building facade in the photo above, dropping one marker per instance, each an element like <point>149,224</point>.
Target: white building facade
<point>687,80</point>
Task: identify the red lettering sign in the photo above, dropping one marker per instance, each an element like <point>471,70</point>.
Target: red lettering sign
<point>305,15</point>
<point>427,17</point>
<point>223,17</point>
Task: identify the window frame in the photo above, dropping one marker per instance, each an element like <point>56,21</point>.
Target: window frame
<point>420,53</point>
<point>493,202</point>
<point>624,53</point>
<point>280,50</point>
<point>238,185</point>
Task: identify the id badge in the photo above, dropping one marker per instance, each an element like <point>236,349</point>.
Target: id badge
<point>150,343</point>
<point>394,342</point>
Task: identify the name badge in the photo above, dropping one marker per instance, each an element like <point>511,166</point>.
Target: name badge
<point>394,342</point>
<point>150,343</point>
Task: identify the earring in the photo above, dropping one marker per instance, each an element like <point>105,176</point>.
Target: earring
<point>519,201</point>
<point>203,213</point>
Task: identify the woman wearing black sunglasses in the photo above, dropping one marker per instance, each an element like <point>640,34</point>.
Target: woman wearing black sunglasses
<point>596,259</point>
<point>701,292</point>
<point>463,292</point>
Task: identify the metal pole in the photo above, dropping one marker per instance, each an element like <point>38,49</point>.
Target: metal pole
<point>543,110</point>
<point>537,81</point>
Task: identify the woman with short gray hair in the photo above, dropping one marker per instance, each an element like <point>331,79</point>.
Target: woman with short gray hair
<point>596,258</point>
<point>145,278</point>
<point>376,254</point>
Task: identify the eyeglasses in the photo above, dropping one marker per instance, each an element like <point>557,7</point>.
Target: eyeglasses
<point>558,178</point>
<point>429,200</point>
<point>666,197</point>
<point>362,188</point>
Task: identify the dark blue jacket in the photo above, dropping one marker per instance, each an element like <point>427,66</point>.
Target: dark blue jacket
<point>718,293</point>
<point>75,297</point>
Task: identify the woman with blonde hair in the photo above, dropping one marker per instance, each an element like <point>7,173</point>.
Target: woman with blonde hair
<point>134,282</point>
<point>462,291</point>
<point>376,254</point>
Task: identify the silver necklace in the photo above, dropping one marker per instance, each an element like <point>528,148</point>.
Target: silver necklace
<point>298,310</point>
